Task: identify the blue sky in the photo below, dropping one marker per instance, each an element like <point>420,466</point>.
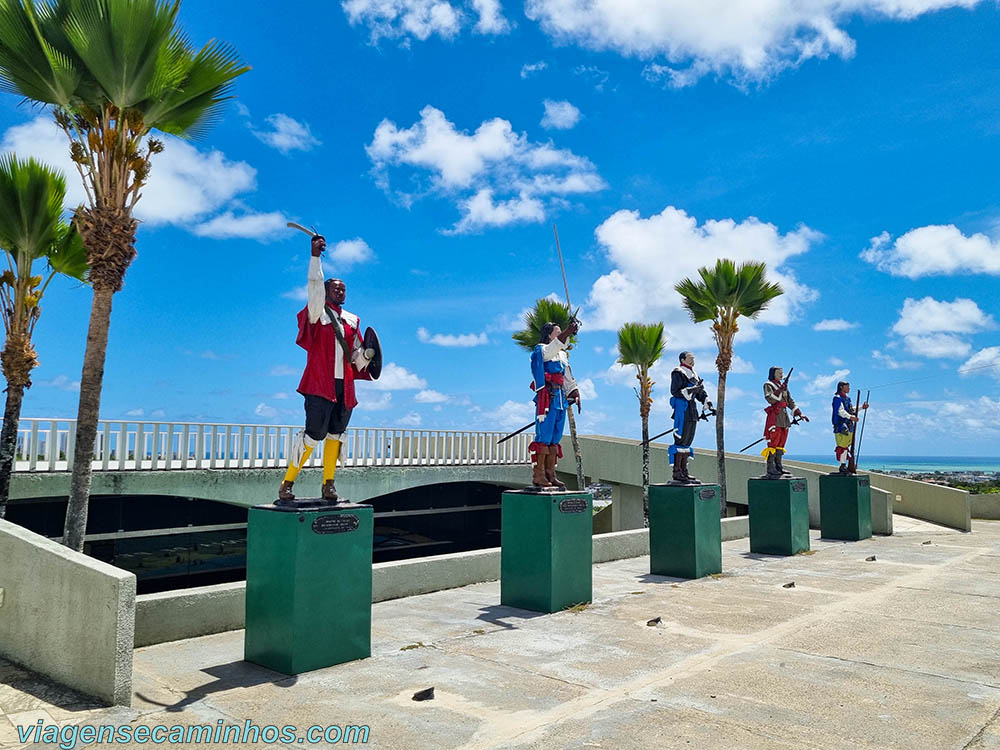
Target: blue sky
<point>434,142</point>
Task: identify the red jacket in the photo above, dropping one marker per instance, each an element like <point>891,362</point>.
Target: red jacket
<point>320,342</point>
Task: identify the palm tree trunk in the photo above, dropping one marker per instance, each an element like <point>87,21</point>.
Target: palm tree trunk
<point>645,470</point>
<point>720,439</point>
<point>580,482</point>
<point>91,382</point>
<point>8,441</point>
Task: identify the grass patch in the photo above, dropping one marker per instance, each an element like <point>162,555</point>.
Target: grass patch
<point>478,631</point>
<point>806,552</point>
<point>578,607</point>
<point>412,646</point>
<point>637,592</point>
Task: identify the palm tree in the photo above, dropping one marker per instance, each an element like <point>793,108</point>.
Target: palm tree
<point>722,295</point>
<point>112,70</point>
<point>545,311</point>
<point>642,345</point>
<point>31,228</point>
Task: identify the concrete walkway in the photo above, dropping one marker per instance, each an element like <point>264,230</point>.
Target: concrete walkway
<point>902,651</point>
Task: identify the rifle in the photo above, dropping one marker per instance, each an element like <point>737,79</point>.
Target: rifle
<point>706,412</point>
<point>505,438</point>
<point>795,421</point>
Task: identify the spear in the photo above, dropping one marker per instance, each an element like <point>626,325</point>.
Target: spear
<point>852,465</point>
<point>864,417</point>
<point>572,419</point>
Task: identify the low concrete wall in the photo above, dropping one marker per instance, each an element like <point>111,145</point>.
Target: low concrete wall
<point>986,506</point>
<point>65,615</point>
<point>173,615</point>
<point>881,511</point>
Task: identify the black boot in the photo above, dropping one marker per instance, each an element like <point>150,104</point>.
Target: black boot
<point>773,472</point>
<point>678,475</point>
<point>777,461</point>
<point>684,467</point>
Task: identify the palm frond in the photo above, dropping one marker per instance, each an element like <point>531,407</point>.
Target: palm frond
<point>544,311</point>
<point>31,199</point>
<point>640,344</point>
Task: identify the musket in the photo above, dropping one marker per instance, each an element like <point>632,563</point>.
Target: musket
<point>706,412</point>
<point>505,438</point>
<point>852,465</point>
<point>795,421</point>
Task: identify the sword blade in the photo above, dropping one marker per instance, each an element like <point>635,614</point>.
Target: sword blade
<point>516,432</point>
<point>293,225</point>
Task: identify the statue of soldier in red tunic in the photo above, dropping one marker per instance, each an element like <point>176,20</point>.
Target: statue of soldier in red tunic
<point>336,356</point>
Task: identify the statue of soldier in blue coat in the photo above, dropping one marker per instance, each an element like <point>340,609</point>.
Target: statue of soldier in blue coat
<point>845,420</point>
<point>555,389</point>
<point>687,390</point>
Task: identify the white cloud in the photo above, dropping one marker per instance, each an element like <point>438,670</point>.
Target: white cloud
<point>882,359</point>
<point>747,39</point>
<point>158,414</point>
<point>494,176</point>
<point>984,362</point>
<point>450,339</point>
<point>135,412</point>
<point>588,391</point>
<point>826,383</point>
<point>836,361</point>
<point>491,18</point>
<point>300,293</point>
<point>283,371</point>
<point>934,250</point>
<point>928,315</point>
<point>740,366</point>
<point>560,115</point>
<point>937,345</point>
<point>529,69</point>
<point>379,403</point>
<point>62,382</point>
<point>185,185</point>
<point>228,225</point>
<point>834,324</point>
<point>649,256</point>
<point>410,420</point>
<point>393,378</point>
<point>953,420</point>
<point>350,252</point>
<point>265,411</point>
<point>430,396</point>
<point>421,19</point>
<point>287,134</point>
<point>511,414</point>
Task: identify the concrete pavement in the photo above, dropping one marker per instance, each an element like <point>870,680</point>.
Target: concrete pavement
<point>899,652</point>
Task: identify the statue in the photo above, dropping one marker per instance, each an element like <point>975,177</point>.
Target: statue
<point>779,400</point>
<point>336,356</point>
<point>845,422</point>
<point>686,388</point>
<point>555,391</point>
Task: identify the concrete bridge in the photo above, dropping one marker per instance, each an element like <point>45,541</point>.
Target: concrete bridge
<point>242,464</point>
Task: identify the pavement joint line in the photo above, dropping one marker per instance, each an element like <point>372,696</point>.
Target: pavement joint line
<point>956,593</point>
<point>490,736</point>
<point>924,622</point>
<point>893,667</point>
<point>979,735</point>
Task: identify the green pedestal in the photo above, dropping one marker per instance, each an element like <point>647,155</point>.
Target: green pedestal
<point>685,530</point>
<point>779,516</point>
<point>845,507</point>
<point>546,550</point>
<point>309,587</point>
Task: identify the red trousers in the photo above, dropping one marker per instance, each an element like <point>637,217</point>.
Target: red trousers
<point>776,438</point>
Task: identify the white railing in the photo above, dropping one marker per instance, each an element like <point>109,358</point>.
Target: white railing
<point>47,445</point>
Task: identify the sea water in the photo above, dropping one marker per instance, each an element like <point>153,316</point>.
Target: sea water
<point>918,464</point>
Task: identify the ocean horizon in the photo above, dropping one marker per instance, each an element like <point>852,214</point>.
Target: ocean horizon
<point>913,463</point>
